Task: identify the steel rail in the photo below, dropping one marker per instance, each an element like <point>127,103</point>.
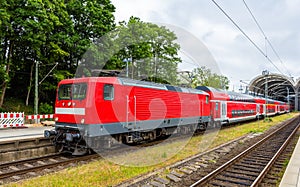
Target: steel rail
<point>47,165</point>
<point>271,162</point>
<point>236,158</point>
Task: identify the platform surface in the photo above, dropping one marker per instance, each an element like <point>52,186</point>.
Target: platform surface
<point>291,177</point>
<point>22,133</point>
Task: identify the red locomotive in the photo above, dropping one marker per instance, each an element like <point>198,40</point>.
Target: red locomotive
<point>97,112</point>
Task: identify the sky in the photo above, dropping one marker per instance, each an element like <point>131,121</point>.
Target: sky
<point>234,55</point>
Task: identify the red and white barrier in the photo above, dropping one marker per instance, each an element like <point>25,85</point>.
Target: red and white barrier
<point>40,116</point>
<point>11,119</point>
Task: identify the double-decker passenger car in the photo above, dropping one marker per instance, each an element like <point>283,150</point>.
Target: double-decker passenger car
<point>231,107</point>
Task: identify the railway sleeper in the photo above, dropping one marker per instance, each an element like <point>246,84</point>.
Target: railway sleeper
<point>249,166</point>
<point>245,177</point>
<point>230,181</point>
<point>261,161</point>
<point>261,156</point>
<point>254,170</point>
<point>253,174</point>
<point>253,163</point>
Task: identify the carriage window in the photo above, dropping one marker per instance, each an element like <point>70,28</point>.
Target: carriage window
<point>108,92</point>
<point>217,106</point>
<point>206,99</point>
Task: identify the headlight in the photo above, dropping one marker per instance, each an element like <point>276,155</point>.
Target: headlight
<point>56,119</point>
<point>82,121</point>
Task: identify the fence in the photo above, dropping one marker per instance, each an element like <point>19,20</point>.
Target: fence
<point>11,119</point>
<point>40,116</point>
<point>17,119</point>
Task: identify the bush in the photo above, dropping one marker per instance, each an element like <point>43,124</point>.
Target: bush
<point>45,108</point>
<point>2,110</point>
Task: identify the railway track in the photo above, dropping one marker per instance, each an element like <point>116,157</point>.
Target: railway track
<point>12,171</point>
<point>250,167</point>
<point>17,170</point>
<point>186,172</point>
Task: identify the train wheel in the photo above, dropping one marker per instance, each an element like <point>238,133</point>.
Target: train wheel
<point>80,151</point>
<point>59,148</point>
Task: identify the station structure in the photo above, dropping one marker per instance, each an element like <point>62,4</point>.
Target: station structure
<point>276,86</point>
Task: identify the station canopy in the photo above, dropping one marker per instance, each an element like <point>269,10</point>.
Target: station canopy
<point>278,87</point>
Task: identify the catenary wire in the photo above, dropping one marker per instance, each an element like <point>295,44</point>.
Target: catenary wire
<point>241,30</point>
<point>266,38</point>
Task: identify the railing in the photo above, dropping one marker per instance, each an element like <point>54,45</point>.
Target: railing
<point>17,119</point>
<point>11,119</point>
<point>40,116</point>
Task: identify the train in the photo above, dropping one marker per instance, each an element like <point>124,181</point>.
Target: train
<point>93,113</point>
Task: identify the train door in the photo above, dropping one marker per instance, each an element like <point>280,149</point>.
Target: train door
<point>215,110</point>
<point>265,109</point>
<point>223,110</point>
<point>257,110</point>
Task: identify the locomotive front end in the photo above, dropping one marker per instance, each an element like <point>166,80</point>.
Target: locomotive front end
<point>70,112</point>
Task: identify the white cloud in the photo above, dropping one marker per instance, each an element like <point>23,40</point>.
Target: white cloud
<point>236,56</point>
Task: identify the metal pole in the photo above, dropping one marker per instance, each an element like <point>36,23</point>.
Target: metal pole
<point>36,97</point>
<point>266,95</point>
<point>266,73</point>
<point>127,68</point>
<point>288,95</point>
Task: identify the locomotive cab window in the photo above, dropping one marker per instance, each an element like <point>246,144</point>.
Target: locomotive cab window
<point>79,91</point>
<point>72,91</point>
<point>64,92</point>
<point>108,92</point>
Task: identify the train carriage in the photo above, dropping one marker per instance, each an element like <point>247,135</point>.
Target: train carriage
<point>114,110</point>
<point>234,107</point>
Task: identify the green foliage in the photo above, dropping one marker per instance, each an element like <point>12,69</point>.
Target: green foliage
<point>47,32</point>
<point>150,51</point>
<point>286,163</point>
<point>164,155</point>
<point>2,110</point>
<point>204,77</point>
<point>255,131</point>
<point>268,119</point>
<point>16,105</point>
<point>45,108</point>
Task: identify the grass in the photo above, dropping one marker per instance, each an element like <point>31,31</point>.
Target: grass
<point>106,172</point>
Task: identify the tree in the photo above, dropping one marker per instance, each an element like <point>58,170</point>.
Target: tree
<point>204,77</point>
<point>47,32</point>
<point>150,49</point>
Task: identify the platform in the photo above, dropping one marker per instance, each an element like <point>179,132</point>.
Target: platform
<point>291,177</point>
<point>22,133</point>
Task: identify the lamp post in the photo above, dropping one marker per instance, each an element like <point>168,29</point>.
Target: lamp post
<point>266,73</point>
<point>288,96</point>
